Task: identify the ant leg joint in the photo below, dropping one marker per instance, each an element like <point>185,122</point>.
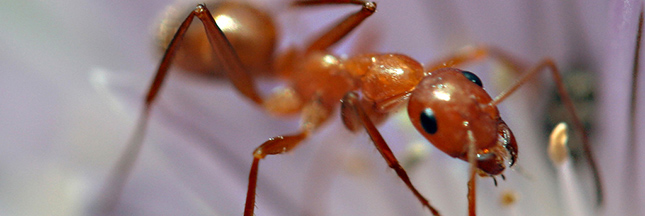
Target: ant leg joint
<point>350,96</point>
<point>200,8</point>
<point>370,7</point>
<point>259,154</point>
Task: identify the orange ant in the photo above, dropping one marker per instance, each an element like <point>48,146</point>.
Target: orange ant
<point>448,106</point>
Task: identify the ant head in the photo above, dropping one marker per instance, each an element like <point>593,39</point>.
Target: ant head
<point>448,103</point>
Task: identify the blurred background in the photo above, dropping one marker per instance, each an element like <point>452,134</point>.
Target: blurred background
<point>73,75</point>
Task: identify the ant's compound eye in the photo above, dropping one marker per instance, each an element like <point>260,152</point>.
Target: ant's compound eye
<point>472,77</point>
<point>428,121</point>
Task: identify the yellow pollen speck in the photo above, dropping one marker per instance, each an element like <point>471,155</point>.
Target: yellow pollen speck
<point>558,150</point>
<point>508,198</point>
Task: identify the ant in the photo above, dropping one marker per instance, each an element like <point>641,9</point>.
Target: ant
<point>448,106</point>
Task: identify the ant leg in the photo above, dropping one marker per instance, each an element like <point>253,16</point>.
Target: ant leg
<point>313,115</point>
<point>343,28</point>
<point>472,183</point>
<point>111,192</point>
<point>354,114</point>
<point>234,69</point>
<point>275,145</point>
<point>223,50</point>
<point>477,53</point>
<point>562,91</point>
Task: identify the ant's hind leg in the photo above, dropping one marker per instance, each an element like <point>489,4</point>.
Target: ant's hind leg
<point>118,176</point>
<point>224,51</point>
<point>354,114</point>
<point>234,69</point>
<point>222,48</point>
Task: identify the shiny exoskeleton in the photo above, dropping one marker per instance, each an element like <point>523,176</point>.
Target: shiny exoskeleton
<point>448,106</point>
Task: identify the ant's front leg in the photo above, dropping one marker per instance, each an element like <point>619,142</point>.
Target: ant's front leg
<point>472,182</point>
<point>477,53</point>
<point>550,65</point>
<point>354,114</point>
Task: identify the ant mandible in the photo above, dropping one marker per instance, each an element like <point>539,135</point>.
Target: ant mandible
<point>448,106</point>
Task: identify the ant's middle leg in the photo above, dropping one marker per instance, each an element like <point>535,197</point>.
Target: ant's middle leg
<point>354,114</point>
<point>344,27</point>
<point>283,102</point>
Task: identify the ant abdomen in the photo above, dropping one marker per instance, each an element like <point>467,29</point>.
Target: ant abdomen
<point>251,32</point>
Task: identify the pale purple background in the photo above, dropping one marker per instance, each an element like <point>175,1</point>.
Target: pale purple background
<point>73,73</point>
